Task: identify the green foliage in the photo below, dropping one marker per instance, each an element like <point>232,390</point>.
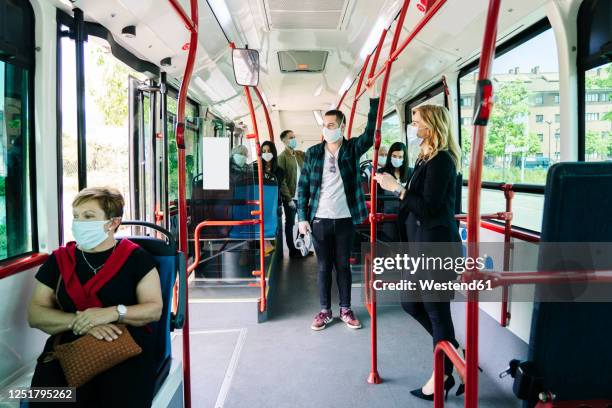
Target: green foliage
<point>112,98</point>
<point>597,145</point>
<point>2,186</point>
<point>600,83</point>
<point>3,243</point>
<point>507,124</point>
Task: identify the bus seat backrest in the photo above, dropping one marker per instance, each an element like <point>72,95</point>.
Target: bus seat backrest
<point>210,205</point>
<point>577,203</point>
<point>165,255</point>
<point>243,211</point>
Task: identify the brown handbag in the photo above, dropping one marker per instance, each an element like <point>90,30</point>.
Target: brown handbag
<point>86,357</point>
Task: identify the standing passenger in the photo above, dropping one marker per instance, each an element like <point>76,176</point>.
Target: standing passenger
<point>330,197</point>
<point>291,161</point>
<point>428,206</point>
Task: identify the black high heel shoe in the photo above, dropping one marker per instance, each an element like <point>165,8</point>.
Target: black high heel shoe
<point>448,384</point>
<point>461,387</point>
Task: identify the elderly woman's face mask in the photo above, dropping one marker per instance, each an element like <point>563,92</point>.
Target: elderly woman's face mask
<point>89,225</point>
<point>239,159</point>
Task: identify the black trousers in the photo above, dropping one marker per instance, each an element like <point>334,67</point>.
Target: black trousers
<point>333,241</point>
<point>289,223</point>
<point>436,318</point>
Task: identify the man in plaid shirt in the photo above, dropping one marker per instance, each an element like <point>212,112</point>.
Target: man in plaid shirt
<point>330,199</point>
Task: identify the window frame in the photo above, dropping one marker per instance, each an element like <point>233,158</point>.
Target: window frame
<point>430,92</point>
<point>122,54</point>
<point>584,63</point>
<point>30,67</point>
<point>508,45</point>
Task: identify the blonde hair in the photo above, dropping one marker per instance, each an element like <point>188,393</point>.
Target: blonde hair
<point>436,118</point>
<point>108,198</point>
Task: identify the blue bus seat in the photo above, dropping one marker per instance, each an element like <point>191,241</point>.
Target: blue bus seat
<point>577,203</point>
<point>243,212</point>
<point>209,205</point>
<point>171,263</point>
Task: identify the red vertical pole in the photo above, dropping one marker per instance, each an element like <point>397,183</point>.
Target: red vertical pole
<point>192,24</point>
<point>260,212</point>
<point>355,99</point>
<point>509,195</point>
<point>374,377</point>
<point>267,114</point>
<point>473,220</point>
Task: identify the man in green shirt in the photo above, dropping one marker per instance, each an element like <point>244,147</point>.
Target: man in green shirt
<point>291,162</point>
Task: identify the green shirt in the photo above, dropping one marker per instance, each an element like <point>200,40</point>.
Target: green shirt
<point>309,187</point>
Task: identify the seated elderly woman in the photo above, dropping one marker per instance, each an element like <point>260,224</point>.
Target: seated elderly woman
<point>85,288</point>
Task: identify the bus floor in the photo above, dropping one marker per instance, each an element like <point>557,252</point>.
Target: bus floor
<point>283,363</point>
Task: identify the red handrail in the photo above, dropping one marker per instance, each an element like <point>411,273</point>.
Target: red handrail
<point>23,264</point>
<point>445,348</point>
<point>267,114</point>
<point>354,106</point>
<point>192,26</point>
<point>480,132</point>
<point>473,222</point>
<point>374,377</point>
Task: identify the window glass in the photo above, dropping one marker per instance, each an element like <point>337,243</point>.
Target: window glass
<point>192,146</point>
<point>521,141</point>
<point>598,108</point>
<point>15,211</point>
<point>107,123</point>
<point>391,132</point>
<point>437,99</point>
<point>523,137</point>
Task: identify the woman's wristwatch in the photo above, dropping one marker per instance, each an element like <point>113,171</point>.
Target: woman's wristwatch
<point>121,311</point>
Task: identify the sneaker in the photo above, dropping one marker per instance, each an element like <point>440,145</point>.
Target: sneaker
<point>321,320</point>
<point>347,316</point>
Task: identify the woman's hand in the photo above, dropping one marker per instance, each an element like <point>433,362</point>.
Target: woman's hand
<point>386,181</point>
<point>90,318</point>
<point>108,332</point>
<point>373,89</point>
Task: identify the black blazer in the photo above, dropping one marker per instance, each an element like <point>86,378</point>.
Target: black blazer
<point>428,206</point>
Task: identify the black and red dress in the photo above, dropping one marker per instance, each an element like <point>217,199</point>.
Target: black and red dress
<point>68,271</point>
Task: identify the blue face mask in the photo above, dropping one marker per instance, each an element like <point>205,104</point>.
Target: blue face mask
<point>239,159</point>
<point>397,162</point>
<point>89,234</point>
<point>292,143</point>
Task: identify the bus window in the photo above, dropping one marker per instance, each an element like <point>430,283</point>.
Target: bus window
<point>598,116</point>
<point>596,80</point>
<point>523,138</point>
<point>192,146</point>
<point>15,211</point>
<point>432,96</point>
<point>107,123</point>
<point>16,165</point>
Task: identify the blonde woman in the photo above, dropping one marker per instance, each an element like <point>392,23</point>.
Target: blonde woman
<point>427,204</point>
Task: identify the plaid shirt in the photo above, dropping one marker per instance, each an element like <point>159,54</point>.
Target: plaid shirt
<point>309,187</point>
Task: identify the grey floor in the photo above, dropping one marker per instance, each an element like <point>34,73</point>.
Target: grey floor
<point>237,362</point>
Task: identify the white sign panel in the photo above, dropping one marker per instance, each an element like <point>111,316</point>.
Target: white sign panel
<point>215,163</point>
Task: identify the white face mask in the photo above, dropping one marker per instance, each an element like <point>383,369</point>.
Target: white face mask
<point>412,134</point>
<point>397,163</point>
<point>239,159</point>
<point>267,156</point>
<point>332,135</point>
<point>382,160</point>
<point>89,234</point>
